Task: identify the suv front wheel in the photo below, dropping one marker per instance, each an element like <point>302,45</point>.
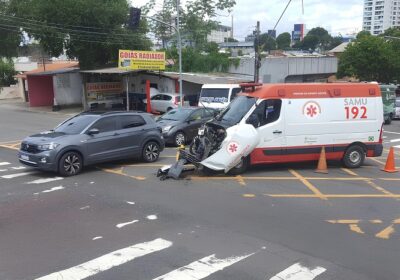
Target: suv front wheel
<point>151,151</point>
<point>70,164</point>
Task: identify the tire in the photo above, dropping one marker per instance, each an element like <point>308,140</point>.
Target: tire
<point>241,167</point>
<point>70,164</point>
<point>354,157</point>
<point>169,109</point>
<point>179,138</point>
<point>388,120</point>
<point>151,151</point>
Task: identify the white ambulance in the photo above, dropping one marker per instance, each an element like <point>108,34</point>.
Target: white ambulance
<point>276,123</point>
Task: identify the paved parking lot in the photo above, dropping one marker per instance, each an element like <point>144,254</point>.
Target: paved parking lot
<point>119,221</point>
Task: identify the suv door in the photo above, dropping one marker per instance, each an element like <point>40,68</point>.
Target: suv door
<point>106,144</point>
<point>131,132</point>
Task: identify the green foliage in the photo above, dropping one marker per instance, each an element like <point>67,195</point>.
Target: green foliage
<point>370,58</point>
<point>196,17</point>
<point>283,41</point>
<point>10,36</point>
<point>363,34</point>
<point>318,38</point>
<point>229,39</point>
<point>267,42</point>
<point>63,24</point>
<point>7,72</point>
<point>310,42</point>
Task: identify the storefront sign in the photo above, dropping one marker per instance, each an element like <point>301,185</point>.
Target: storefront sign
<point>103,87</point>
<point>141,60</point>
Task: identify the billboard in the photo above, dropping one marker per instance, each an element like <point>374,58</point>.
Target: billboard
<point>141,60</point>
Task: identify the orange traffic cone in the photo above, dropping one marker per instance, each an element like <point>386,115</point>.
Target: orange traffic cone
<point>390,162</point>
<point>322,166</point>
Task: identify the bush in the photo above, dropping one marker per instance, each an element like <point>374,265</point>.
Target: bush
<point>7,72</point>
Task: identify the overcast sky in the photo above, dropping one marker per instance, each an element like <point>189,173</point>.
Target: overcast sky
<point>337,16</point>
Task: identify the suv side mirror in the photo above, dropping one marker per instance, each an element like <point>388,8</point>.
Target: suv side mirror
<point>93,131</point>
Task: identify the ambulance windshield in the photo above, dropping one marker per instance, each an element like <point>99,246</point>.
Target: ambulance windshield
<point>236,110</point>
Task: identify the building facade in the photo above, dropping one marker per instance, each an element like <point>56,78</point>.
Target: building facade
<point>220,34</point>
<point>380,15</point>
<point>298,32</point>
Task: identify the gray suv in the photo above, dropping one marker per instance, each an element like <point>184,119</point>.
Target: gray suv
<point>93,137</point>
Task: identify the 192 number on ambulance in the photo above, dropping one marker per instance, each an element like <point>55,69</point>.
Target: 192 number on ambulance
<point>355,112</point>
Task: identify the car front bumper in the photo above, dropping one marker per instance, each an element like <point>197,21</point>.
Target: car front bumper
<point>44,160</point>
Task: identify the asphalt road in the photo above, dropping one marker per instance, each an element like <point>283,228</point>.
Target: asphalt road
<point>118,221</point>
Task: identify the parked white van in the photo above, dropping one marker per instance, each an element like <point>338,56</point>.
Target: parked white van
<point>218,96</point>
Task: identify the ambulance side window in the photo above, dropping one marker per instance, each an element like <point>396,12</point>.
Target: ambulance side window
<point>268,111</point>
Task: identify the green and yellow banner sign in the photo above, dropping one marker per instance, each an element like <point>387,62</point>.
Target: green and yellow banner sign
<point>141,60</point>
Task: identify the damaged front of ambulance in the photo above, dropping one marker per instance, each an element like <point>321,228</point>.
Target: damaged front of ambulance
<point>222,144</point>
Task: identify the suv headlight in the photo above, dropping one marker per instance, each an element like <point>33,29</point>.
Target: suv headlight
<point>167,128</point>
<point>48,147</point>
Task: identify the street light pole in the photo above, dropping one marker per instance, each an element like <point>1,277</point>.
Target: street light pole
<point>178,33</point>
<point>179,52</point>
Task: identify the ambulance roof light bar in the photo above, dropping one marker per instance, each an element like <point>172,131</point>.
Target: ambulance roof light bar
<point>249,87</point>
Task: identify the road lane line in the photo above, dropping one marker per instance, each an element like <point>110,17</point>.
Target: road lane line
<point>391,132</point>
<point>395,140</point>
<point>311,187</point>
<point>18,167</point>
<point>201,268</point>
<point>45,180</point>
<point>121,225</point>
<point>11,176</point>
<point>334,195</point>
<point>376,160</point>
<point>386,232</point>
<point>4,163</point>
<point>108,261</point>
<point>53,189</point>
<point>348,171</point>
<point>298,272</point>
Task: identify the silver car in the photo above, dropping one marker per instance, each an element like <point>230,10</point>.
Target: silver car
<point>397,113</point>
<point>93,137</point>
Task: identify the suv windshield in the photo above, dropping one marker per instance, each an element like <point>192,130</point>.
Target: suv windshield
<point>176,114</point>
<point>76,124</point>
<point>236,110</point>
<point>217,95</point>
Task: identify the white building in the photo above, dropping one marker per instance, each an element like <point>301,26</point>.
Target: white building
<point>220,34</point>
<point>380,15</point>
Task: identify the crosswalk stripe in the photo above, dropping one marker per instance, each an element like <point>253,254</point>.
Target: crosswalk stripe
<point>18,167</point>
<point>201,268</point>
<point>109,261</point>
<point>11,176</point>
<point>45,180</point>
<point>395,140</point>
<point>398,146</point>
<point>298,272</point>
<point>4,163</point>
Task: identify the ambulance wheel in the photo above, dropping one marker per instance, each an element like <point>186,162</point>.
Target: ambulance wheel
<point>388,120</point>
<point>240,167</point>
<point>354,156</point>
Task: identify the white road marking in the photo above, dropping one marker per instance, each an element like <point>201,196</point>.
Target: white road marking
<point>3,170</point>
<point>11,176</point>
<point>152,217</point>
<point>131,202</point>
<point>298,272</point>
<point>45,180</point>
<point>201,268</point>
<point>398,146</point>
<point>391,132</point>
<point>84,207</point>
<point>394,140</point>
<point>18,167</point>
<point>125,224</point>
<point>4,163</point>
<point>108,261</point>
<point>53,189</point>
<point>97,237</point>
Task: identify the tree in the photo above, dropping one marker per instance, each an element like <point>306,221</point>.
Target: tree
<point>267,42</point>
<point>10,35</point>
<point>324,39</point>
<point>362,34</point>
<point>7,72</point>
<point>283,41</point>
<point>197,18</point>
<point>90,30</point>
<point>310,42</point>
<point>369,58</point>
<point>230,39</point>
<point>336,41</point>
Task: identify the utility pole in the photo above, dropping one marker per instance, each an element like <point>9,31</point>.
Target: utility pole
<point>257,54</point>
<point>179,52</point>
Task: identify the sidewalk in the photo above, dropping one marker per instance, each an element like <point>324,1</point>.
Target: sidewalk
<point>19,105</point>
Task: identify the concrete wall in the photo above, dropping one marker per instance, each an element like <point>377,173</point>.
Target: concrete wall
<point>137,84</point>
<point>68,89</point>
<point>277,69</point>
<point>40,91</point>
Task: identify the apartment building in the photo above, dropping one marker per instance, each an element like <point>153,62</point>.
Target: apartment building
<point>380,15</point>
